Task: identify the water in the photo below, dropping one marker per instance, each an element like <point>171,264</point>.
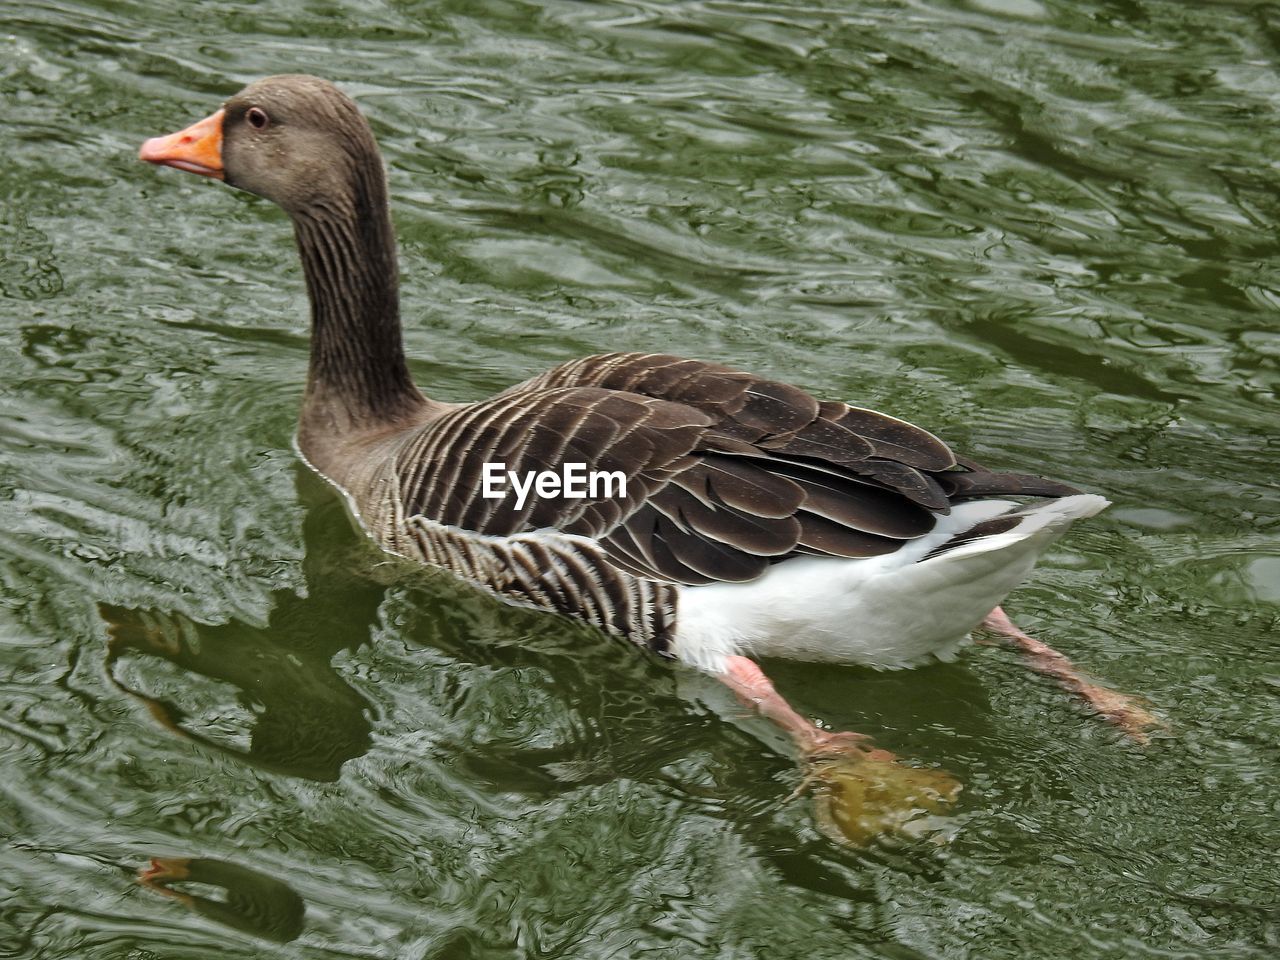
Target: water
<point>1043,229</point>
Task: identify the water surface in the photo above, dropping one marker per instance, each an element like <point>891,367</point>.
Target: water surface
<point>1043,229</point>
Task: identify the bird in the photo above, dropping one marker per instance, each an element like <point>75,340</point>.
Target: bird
<point>737,517</point>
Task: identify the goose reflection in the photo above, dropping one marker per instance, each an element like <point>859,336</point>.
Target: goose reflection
<point>251,902</point>
<point>306,720</point>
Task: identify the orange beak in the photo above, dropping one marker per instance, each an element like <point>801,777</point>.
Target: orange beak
<point>197,149</point>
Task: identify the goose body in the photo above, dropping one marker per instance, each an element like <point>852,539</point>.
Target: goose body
<point>754,519</point>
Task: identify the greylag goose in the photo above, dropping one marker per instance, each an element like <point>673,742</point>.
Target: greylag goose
<point>701,512</point>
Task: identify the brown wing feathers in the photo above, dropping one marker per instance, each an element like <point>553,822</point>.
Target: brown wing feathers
<point>647,439</point>
<point>725,472</point>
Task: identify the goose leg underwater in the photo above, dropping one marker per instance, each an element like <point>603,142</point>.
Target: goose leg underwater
<point>750,519</point>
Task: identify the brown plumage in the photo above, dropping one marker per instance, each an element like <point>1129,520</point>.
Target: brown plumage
<point>727,474</point>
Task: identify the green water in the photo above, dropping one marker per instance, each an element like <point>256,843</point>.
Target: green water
<point>1045,230</point>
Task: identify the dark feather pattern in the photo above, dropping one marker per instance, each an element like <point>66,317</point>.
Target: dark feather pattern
<point>968,486</point>
<point>827,538</point>
<point>725,472</point>
<point>987,528</point>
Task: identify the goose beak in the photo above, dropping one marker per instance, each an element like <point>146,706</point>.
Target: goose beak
<point>197,149</point>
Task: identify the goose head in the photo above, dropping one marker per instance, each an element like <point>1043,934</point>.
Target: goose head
<point>303,144</point>
<point>294,139</point>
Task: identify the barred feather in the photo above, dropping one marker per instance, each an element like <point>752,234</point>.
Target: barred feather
<point>729,477</point>
<point>726,474</point>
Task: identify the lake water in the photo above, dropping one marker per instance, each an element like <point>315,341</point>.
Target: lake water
<point>1045,230</point>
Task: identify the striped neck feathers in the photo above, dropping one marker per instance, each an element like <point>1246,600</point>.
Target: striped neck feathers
<point>358,379</point>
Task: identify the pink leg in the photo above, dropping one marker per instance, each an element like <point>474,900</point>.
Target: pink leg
<point>1125,712</point>
<point>745,678</point>
<point>166,870</point>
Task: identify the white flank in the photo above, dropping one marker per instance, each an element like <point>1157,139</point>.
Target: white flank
<point>891,611</point>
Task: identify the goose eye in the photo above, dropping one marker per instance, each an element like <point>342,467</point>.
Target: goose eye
<point>257,117</point>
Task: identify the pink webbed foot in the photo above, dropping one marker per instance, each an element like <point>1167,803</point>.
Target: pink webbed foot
<point>861,797</point>
<point>163,871</point>
<point>832,745</point>
<point>860,792</point>
<point>1125,712</point>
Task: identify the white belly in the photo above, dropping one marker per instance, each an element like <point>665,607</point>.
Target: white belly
<point>887,612</point>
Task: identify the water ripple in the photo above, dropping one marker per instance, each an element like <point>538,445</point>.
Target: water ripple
<point>1045,229</point>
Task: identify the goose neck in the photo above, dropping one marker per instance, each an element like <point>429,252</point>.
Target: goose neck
<point>358,378</point>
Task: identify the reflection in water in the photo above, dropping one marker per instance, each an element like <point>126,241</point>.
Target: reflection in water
<point>1045,228</point>
<point>306,720</point>
<point>254,902</point>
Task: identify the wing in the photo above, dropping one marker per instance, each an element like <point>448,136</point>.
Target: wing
<point>441,470</point>
<point>725,472</point>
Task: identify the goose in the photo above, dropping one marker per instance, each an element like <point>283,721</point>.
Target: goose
<point>741,518</point>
